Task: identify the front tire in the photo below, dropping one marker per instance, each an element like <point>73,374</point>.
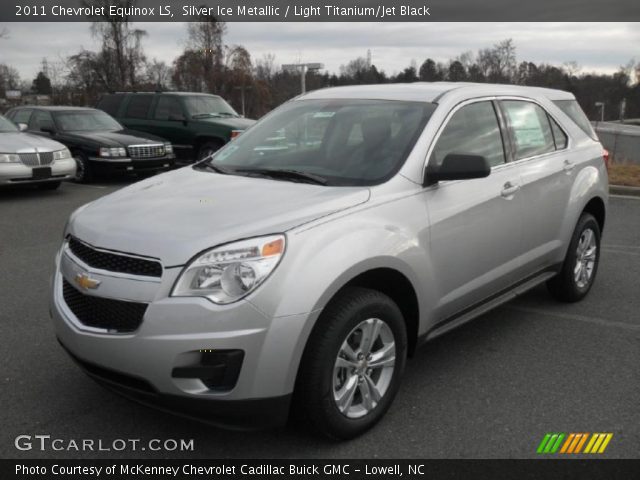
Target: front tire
<point>208,148</point>
<point>353,363</point>
<point>84,171</point>
<point>581,262</point>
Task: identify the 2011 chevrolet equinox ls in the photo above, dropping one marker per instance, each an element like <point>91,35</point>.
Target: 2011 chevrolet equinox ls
<point>304,262</point>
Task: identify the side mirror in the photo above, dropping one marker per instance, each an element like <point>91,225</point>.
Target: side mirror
<point>22,127</point>
<point>459,167</point>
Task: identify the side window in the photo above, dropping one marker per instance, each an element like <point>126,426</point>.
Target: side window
<point>41,119</point>
<point>111,104</point>
<point>559,137</point>
<point>139,106</point>
<point>530,127</point>
<point>168,108</point>
<point>21,116</point>
<point>472,130</point>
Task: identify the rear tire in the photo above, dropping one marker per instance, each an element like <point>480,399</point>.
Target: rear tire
<point>581,262</point>
<point>352,365</point>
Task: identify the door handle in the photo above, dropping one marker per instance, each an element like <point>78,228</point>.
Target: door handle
<point>568,166</point>
<point>509,189</point>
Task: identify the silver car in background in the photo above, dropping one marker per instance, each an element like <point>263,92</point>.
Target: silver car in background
<point>31,159</point>
<point>303,263</point>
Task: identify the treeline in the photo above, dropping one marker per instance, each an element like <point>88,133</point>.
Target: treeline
<point>255,86</point>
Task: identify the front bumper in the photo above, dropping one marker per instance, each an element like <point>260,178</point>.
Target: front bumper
<point>17,173</point>
<point>132,165</point>
<point>172,336</point>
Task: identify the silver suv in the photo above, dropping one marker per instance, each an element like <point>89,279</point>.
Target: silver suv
<point>306,260</point>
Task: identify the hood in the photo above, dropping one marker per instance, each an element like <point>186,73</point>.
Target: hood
<point>121,138</point>
<point>238,123</point>
<point>18,142</point>
<point>175,215</point>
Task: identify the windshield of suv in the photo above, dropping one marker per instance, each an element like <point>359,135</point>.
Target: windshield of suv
<point>86,121</point>
<point>333,142</point>
<point>202,106</point>
<point>6,126</point>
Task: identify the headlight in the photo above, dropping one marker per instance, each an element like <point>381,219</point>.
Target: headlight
<point>113,152</point>
<point>9,158</point>
<point>62,154</point>
<point>168,148</point>
<point>226,274</point>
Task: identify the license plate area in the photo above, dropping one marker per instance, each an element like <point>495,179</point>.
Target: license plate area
<point>41,173</point>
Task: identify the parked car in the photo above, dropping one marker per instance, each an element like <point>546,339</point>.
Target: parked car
<point>310,274</point>
<point>30,159</point>
<point>98,143</point>
<point>197,124</point>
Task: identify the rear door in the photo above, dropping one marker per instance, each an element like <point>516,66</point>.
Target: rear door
<point>169,121</point>
<point>136,112</point>
<point>476,225</point>
<point>541,153</point>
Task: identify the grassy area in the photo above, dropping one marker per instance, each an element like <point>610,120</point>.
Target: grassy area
<point>627,174</point>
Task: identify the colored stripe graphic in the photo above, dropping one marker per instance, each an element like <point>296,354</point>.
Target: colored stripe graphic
<point>572,443</point>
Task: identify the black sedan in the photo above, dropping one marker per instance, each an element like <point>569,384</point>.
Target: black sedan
<point>98,142</point>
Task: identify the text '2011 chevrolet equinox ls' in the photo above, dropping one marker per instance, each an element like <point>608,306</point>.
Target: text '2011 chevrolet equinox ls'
<point>304,262</point>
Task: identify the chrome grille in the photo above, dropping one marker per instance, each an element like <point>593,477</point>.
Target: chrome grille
<point>146,151</point>
<point>36,159</point>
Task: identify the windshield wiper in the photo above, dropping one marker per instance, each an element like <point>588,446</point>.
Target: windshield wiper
<point>214,168</point>
<point>214,114</point>
<point>285,174</point>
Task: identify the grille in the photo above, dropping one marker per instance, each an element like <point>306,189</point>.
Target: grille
<point>114,262</point>
<point>146,151</point>
<point>36,159</point>
<point>105,313</point>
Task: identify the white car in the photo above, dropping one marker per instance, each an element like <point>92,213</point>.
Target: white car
<point>26,158</point>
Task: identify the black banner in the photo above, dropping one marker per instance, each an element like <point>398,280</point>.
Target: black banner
<point>322,10</point>
<point>322,469</point>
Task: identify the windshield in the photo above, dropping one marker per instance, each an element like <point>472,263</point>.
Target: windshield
<point>200,106</point>
<point>6,126</point>
<point>344,142</point>
<point>86,121</point>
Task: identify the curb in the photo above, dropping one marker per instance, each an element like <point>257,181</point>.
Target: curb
<point>623,190</point>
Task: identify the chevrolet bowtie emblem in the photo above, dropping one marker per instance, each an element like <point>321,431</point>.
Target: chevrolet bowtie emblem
<point>86,282</point>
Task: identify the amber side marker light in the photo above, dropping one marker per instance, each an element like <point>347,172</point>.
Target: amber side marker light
<point>273,248</point>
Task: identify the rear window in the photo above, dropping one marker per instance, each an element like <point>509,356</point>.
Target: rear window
<point>575,113</point>
<point>138,106</point>
<point>111,104</point>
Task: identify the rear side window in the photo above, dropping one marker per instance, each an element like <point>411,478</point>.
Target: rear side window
<point>530,128</point>
<point>168,108</point>
<point>21,116</point>
<point>139,106</point>
<point>472,130</point>
<point>575,113</point>
<point>559,137</point>
<point>111,104</point>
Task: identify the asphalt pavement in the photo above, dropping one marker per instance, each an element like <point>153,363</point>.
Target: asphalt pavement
<point>491,389</point>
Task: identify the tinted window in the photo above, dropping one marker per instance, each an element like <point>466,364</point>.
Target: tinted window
<point>86,121</point>
<point>111,104</point>
<point>575,113</point>
<point>347,142</point>
<point>472,130</point>
<point>139,106</point>
<point>560,138</point>
<point>40,120</point>
<point>21,116</point>
<point>530,127</point>
<point>168,108</point>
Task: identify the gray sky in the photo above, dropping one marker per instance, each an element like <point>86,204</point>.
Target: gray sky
<point>601,47</point>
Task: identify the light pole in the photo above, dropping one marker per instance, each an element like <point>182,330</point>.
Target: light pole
<point>601,105</point>
<point>303,68</point>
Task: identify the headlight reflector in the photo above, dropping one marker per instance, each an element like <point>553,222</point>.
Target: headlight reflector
<point>113,152</point>
<point>9,158</point>
<point>228,273</point>
<point>61,154</point>
<point>168,148</point>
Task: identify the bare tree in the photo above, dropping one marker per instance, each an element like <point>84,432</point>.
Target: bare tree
<point>205,38</point>
<point>158,74</point>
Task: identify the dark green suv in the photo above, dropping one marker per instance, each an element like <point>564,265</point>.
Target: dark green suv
<point>197,124</point>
